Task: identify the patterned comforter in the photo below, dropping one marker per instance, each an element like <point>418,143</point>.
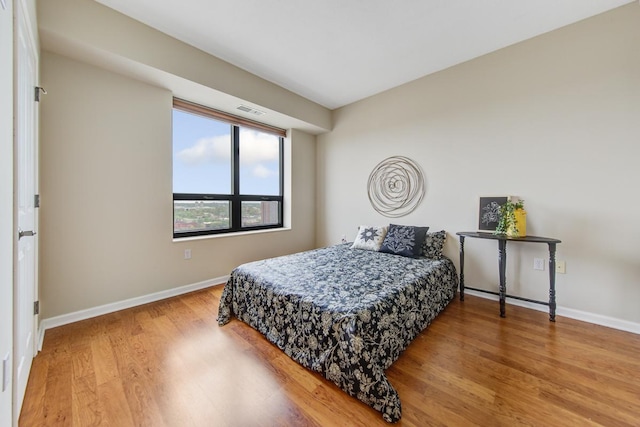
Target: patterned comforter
<point>345,313</point>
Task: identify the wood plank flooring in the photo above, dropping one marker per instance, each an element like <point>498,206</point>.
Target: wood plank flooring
<point>169,364</point>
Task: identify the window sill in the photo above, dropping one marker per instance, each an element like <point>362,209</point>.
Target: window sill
<point>227,235</point>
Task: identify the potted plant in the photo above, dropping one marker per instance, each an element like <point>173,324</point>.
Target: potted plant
<point>513,219</point>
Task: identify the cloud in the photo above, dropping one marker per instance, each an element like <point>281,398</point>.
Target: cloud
<point>262,172</point>
<point>256,148</point>
<point>207,150</point>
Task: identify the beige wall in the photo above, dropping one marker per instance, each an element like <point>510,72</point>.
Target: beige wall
<point>106,190</point>
<point>556,115</point>
<point>555,120</point>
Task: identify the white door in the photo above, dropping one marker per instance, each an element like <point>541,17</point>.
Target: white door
<point>7,238</point>
<point>25,291</point>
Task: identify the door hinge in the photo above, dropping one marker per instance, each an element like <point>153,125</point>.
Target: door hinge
<point>36,201</point>
<point>36,307</point>
<point>37,93</point>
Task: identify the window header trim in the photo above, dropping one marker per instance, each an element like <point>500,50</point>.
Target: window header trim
<point>191,107</point>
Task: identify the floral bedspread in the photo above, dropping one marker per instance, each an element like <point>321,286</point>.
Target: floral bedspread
<point>345,313</point>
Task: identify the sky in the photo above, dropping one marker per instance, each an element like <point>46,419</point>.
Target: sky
<point>202,157</point>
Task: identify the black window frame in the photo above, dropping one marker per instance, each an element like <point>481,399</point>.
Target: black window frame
<point>235,199</point>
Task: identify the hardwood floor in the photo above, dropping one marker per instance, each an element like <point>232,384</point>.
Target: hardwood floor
<point>169,364</point>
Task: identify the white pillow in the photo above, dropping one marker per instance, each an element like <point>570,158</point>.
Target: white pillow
<point>370,237</point>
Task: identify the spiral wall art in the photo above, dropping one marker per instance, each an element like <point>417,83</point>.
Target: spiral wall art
<point>396,186</point>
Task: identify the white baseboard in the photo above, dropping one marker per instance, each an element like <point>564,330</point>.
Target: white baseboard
<point>76,316</point>
<point>597,319</point>
<point>65,319</point>
<point>40,336</point>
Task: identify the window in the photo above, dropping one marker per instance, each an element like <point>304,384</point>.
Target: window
<point>227,173</point>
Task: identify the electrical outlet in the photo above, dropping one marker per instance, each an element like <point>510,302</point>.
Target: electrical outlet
<point>187,254</point>
<point>538,264</point>
<point>344,238</point>
<point>561,267</point>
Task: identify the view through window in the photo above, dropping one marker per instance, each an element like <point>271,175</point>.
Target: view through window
<point>226,177</point>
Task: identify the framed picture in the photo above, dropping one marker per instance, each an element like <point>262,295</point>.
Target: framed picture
<point>489,213</point>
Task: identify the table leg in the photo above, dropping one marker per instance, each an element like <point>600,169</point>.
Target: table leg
<point>552,282</point>
<point>502,264</point>
<point>461,268</point>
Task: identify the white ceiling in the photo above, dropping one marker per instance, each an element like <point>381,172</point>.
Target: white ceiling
<point>335,52</point>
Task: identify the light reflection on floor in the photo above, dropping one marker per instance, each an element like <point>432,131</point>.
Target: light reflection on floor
<point>218,380</point>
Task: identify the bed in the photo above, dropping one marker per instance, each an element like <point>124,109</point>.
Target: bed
<point>343,312</point>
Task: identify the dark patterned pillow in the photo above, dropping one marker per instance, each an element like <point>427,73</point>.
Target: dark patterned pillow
<point>405,240</point>
<point>433,246</point>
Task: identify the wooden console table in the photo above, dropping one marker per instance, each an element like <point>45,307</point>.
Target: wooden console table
<point>502,264</point>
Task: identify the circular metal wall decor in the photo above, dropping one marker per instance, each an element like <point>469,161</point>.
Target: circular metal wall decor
<point>396,186</point>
